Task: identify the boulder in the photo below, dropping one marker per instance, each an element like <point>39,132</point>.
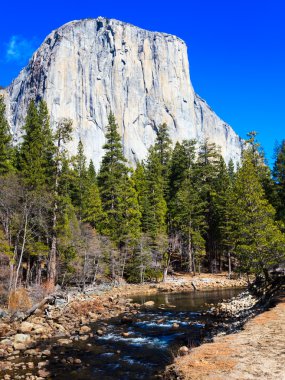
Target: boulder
<point>84,329</point>
<point>183,350</point>
<point>26,327</point>
<point>43,373</point>
<point>148,304</point>
<point>100,332</point>
<point>22,338</point>
<point>127,319</point>
<point>64,341</point>
<point>20,346</point>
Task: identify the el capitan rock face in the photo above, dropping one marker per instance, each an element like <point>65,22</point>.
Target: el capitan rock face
<point>89,67</point>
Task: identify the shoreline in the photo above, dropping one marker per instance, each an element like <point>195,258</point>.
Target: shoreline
<point>65,322</point>
<point>255,351</point>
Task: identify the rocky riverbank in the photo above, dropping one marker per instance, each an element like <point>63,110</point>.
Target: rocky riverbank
<point>70,317</point>
<point>255,352</point>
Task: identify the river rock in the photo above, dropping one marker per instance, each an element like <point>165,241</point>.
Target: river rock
<point>40,330</point>
<point>6,342</point>
<point>70,360</point>
<point>125,334</point>
<point>3,314</point>
<point>64,341</point>
<point>26,327</point>
<point>148,304</point>
<point>100,332</point>
<point>175,325</point>
<point>20,346</point>
<point>44,373</point>
<point>83,337</point>
<point>183,350</point>
<point>42,364</point>
<point>127,319</point>
<point>22,338</point>
<point>84,329</point>
<point>46,352</point>
<point>32,352</point>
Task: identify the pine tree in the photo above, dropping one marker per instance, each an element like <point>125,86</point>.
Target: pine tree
<point>91,202</point>
<point>119,198</point>
<point>219,207</point>
<point>279,178</point>
<point>91,172</point>
<point>205,176</point>
<point>37,149</point>
<point>155,207</point>
<point>162,145</point>
<point>62,202</point>
<point>259,244</point>
<point>162,148</point>
<point>48,143</point>
<point>189,217</point>
<point>254,149</point>
<point>6,150</point>
<point>182,160</point>
<point>231,170</point>
<point>79,182</point>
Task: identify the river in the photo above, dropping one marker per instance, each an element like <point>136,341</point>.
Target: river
<point>151,338</point>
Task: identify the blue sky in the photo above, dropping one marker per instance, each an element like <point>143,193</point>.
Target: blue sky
<point>236,49</point>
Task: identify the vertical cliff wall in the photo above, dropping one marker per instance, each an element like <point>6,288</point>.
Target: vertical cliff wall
<point>89,67</point>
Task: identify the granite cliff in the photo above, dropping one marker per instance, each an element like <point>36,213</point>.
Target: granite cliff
<point>88,67</point>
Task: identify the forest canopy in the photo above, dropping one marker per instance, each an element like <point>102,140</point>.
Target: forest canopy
<point>181,209</point>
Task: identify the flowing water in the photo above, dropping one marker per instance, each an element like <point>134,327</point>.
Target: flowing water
<point>152,340</point>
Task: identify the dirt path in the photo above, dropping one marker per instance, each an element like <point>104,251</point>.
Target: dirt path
<point>257,352</point>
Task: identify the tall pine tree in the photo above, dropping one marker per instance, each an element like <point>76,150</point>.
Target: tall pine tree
<point>119,198</point>
<point>279,178</point>
<point>259,244</point>
<point>36,151</point>
<point>6,150</point>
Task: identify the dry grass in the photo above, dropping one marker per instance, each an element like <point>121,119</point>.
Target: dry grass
<point>84,307</point>
<point>19,300</point>
<point>257,352</point>
<point>48,287</point>
<point>204,362</point>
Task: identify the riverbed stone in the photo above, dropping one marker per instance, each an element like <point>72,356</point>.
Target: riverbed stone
<point>64,341</point>
<point>127,319</point>
<point>148,304</point>
<point>26,327</point>
<point>43,373</point>
<point>20,346</point>
<point>84,329</point>
<point>184,350</point>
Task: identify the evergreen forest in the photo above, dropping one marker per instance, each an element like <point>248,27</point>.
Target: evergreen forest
<point>181,209</point>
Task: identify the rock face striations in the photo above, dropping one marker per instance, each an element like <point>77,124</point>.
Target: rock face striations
<point>89,67</point>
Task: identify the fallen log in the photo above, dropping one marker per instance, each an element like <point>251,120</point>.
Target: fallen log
<point>25,315</point>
